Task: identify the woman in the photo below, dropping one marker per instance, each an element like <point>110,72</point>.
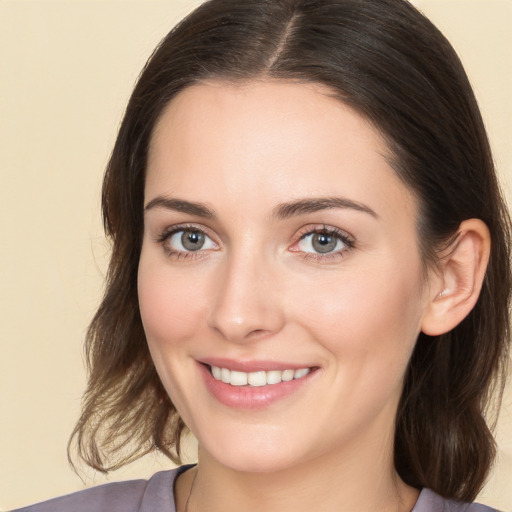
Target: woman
<point>310,268</point>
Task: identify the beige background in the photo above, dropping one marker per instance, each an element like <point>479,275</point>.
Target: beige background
<point>66,70</point>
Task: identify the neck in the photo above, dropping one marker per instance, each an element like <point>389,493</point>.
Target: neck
<point>363,480</point>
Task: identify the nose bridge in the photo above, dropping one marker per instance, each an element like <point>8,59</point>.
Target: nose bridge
<point>244,305</point>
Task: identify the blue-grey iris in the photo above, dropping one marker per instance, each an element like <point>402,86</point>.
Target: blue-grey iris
<point>192,240</point>
<point>323,243</point>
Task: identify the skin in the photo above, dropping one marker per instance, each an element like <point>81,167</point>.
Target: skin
<point>258,291</point>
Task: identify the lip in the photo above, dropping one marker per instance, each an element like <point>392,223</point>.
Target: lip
<point>251,366</point>
<point>246,397</point>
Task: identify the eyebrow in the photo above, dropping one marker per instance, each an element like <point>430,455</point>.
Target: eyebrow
<point>180,205</point>
<point>305,206</point>
<point>281,211</point>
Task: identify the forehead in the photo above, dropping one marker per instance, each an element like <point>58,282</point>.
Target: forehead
<point>266,114</point>
<point>267,139</point>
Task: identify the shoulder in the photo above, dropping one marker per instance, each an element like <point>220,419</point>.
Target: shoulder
<point>129,496</point>
<point>429,501</point>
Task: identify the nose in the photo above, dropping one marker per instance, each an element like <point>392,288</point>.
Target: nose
<point>246,306</point>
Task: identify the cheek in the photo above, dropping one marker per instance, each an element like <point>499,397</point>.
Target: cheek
<point>362,315</point>
<point>170,305</point>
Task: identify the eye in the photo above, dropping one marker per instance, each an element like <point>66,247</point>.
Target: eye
<point>184,241</point>
<point>323,242</point>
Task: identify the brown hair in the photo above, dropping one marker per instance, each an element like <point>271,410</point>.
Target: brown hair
<point>387,61</point>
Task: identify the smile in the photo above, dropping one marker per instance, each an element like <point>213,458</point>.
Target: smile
<point>257,379</point>
<point>253,385</point>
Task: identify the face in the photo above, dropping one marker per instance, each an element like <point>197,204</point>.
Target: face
<point>280,282</point>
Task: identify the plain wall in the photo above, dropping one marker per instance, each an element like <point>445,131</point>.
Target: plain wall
<point>66,71</point>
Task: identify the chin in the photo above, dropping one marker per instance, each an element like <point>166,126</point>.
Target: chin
<point>255,463</point>
<point>250,455</point>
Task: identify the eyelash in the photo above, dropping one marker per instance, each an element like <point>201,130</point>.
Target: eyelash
<point>176,254</point>
<point>342,236</point>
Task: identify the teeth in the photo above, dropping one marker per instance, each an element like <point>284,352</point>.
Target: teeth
<point>217,372</point>
<point>274,377</point>
<point>300,373</point>
<point>257,379</point>
<point>225,375</point>
<point>288,375</point>
<point>238,378</point>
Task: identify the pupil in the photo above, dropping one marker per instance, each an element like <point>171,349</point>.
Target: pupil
<point>192,240</point>
<point>324,243</point>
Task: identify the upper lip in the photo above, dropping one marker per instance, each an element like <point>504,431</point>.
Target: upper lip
<point>251,365</point>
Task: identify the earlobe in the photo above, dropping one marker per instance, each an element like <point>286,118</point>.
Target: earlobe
<point>457,284</point>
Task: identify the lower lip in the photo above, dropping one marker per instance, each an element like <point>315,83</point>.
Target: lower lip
<point>250,397</point>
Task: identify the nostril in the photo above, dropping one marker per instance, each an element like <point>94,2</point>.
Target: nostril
<point>257,333</point>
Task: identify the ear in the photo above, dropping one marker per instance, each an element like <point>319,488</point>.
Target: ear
<point>455,288</point>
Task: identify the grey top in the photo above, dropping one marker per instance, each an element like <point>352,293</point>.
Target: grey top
<point>157,495</point>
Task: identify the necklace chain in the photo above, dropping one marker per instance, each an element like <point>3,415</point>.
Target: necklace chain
<point>190,491</point>
<point>192,488</point>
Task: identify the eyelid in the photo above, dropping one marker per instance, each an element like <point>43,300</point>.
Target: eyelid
<point>166,234</point>
<point>347,239</point>
<point>185,226</point>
